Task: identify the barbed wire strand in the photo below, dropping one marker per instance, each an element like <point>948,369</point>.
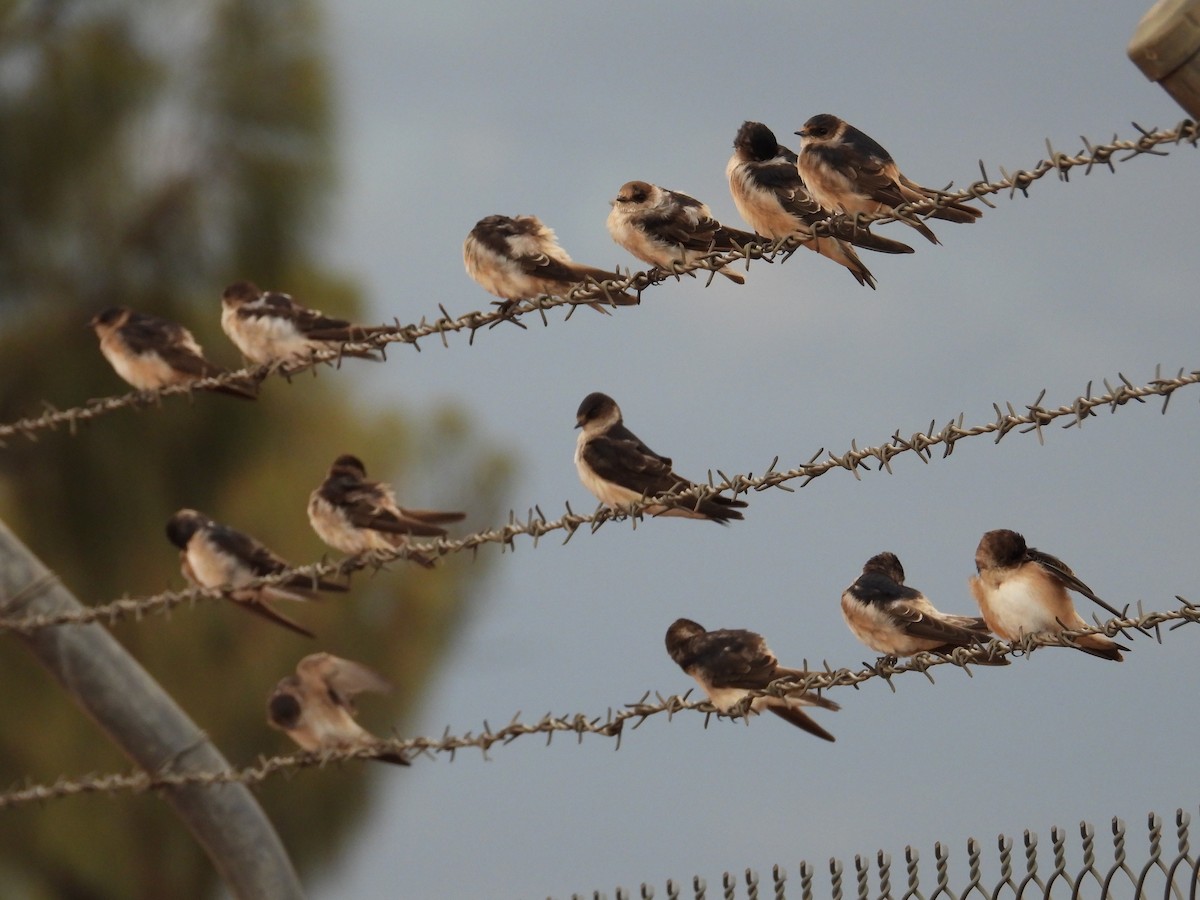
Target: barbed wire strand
<point>536,525</point>
<point>612,724</point>
<point>378,337</point>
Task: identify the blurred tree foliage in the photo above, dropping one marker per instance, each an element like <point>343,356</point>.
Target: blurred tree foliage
<point>149,155</point>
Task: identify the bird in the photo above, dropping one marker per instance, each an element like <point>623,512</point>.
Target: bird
<point>152,353</point>
<point>270,328</point>
<point>520,259</point>
<point>771,196</point>
<point>213,555</point>
<point>668,229</point>
<point>315,706</point>
<point>730,662</point>
<point>618,468</point>
<point>1021,590</point>
<point>354,515</point>
<point>848,172</point>
<point>897,620</point>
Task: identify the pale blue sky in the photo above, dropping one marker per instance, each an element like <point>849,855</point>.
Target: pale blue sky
<point>451,113</point>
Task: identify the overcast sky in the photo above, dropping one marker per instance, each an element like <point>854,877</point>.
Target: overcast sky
<point>450,112</point>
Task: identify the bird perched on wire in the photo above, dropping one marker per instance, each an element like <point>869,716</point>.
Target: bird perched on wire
<point>1021,590</point>
<point>354,515</point>
<point>619,469</point>
<point>771,196</point>
<point>668,229</point>
<point>848,172</point>
<point>212,555</point>
<point>897,620</point>
<point>315,706</point>
<point>272,328</point>
<point>152,353</point>
<point>520,259</point>
<point>729,663</point>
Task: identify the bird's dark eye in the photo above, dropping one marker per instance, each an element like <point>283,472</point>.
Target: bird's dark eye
<point>820,131</point>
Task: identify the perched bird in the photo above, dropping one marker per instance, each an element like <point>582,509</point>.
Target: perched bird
<point>213,555</point>
<point>770,195</point>
<point>618,468</point>
<point>1022,591</point>
<point>354,515</point>
<point>730,662</point>
<point>668,229</point>
<point>315,706</point>
<point>151,353</point>
<point>846,171</point>
<point>519,259</point>
<point>896,620</point>
<point>270,327</point>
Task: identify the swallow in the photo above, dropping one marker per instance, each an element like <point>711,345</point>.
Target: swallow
<point>315,706</point>
<point>270,327</point>
<point>731,662</point>
<point>354,515</point>
<point>897,620</point>
<point>152,353</point>
<point>1022,591</point>
<point>771,196</point>
<point>520,259</point>
<point>618,468</point>
<point>848,172</point>
<point>668,229</point>
<point>213,555</point>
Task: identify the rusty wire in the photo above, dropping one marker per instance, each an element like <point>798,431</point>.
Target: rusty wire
<point>1164,872</point>
<point>1148,143</point>
<point>611,724</point>
<point>536,524</point>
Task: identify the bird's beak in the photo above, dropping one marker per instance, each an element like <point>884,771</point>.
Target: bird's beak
<point>579,423</point>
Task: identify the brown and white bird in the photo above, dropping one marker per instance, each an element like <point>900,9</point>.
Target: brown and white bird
<point>848,172</point>
<point>618,468</point>
<point>897,620</point>
<point>1021,591</point>
<point>315,706</point>
<point>729,663</point>
<point>668,229</point>
<point>212,555</point>
<point>270,327</point>
<point>771,196</point>
<point>152,353</point>
<point>520,259</point>
<point>354,515</point>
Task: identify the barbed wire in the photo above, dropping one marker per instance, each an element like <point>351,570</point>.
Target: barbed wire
<point>1103,154</point>
<point>611,725</point>
<point>536,525</point>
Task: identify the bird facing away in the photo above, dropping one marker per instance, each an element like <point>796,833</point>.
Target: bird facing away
<point>848,172</point>
<point>1022,591</point>
<point>731,662</point>
<point>270,327</point>
<point>315,706</point>
<point>354,515</point>
<point>668,229</point>
<point>618,468</point>
<point>212,555</point>
<point>771,196</point>
<point>897,620</point>
<point>520,259</point>
<point>152,353</point>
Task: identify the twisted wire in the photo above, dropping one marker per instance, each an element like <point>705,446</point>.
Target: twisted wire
<point>536,525</point>
<point>1148,143</point>
<point>611,724</point>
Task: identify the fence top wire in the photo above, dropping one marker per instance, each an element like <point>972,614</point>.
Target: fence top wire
<point>536,524</point>
<point>1149,143</point>
<point>612,724</point>
<point>1173,873</point>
